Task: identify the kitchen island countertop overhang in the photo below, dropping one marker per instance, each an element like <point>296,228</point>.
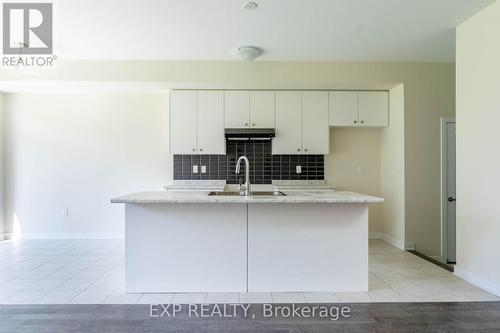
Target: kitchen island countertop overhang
<point>318,196</point>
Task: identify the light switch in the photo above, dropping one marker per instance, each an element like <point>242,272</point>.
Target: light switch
<point>298,169</point>
<point>195,169</point>
<point>203,169</point>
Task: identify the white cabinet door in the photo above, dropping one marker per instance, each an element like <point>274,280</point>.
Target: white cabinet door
<point>183,105</point>
<point>288,123</point>
<point>374,108</point>
<point>343,108</point>
<point>237,109</point>
<point>315,129</point>
<point>211,122</point>
<point>262,109</point>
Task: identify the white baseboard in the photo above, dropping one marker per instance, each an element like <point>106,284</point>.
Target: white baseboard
<point>399,243</point>
<point>409,246</point>
<point>72,236</point>
<point>5,236</point>
<point>375,235</point>
<point>478,281</point>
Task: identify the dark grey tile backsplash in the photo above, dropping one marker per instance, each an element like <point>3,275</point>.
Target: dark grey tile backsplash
<point>264,167</point>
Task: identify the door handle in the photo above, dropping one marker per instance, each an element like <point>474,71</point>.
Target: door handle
<point>451,199</point>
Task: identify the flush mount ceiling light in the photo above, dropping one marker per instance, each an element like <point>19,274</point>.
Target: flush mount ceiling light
<point>250,5</point>
<point>247,53</point>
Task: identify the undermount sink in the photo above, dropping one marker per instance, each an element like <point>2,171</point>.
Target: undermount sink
<point>269,193</point>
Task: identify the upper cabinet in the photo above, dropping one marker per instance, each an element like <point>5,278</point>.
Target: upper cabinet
<point>315,129</point>
<point>197,122</point>
<point>301,118</point>
<point>363,108</point>
<point>183,115</point>
<point>343,108</point>
<point>374,108</point>
<point>301,123</point>
<point>288,138</point>
<point>249,109</point>
<point>210,122</point>
<point>237,113</point>
<point>262,109</point>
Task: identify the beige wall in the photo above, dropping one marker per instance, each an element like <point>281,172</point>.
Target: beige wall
<point>354,165</point>
<point>478,157</point>
<point>429,95</point>
<point>76,152</point>
<point>392,170</point>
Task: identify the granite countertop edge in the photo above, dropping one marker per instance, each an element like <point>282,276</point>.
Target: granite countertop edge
<point>160,197</point>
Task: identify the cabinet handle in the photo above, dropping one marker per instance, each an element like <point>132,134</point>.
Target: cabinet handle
<point>201,149</point>
<point>194,149</point>
<point>298,149</point>
<point>362,121</point>
<point>246,124</point>
<point>253,124</point>
<point>305,149</point>
<point>355,121</point>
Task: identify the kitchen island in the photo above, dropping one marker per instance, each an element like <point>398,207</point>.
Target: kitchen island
<point>194,242</point>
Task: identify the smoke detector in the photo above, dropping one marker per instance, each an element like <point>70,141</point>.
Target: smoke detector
<point>250,5</point>
<point>247,53</point>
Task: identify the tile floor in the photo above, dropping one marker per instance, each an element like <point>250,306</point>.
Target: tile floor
<point>91,272</point>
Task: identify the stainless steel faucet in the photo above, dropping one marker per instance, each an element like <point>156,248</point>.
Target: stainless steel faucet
<point>245,189</point>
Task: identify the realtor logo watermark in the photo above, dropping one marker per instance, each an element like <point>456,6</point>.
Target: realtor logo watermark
<point>28,34</point>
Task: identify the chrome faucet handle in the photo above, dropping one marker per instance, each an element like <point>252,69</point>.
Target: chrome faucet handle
<point>241,187</point>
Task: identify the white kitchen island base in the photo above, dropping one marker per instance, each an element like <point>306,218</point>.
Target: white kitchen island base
<point>308,247</point>
<point>246,247</point>
<point>185,247</point>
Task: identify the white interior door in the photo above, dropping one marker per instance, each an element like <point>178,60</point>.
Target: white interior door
<point>183,132</point>
<point>288,123</point>
<point>315,129</point>
<point>450,193</point>
<point>211,122</point>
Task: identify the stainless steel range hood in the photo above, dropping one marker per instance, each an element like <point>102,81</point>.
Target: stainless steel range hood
<point>248,134</point>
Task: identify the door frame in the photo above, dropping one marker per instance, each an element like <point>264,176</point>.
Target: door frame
<point>444,182</point>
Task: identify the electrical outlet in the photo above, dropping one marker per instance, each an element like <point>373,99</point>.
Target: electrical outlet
<point>298,169</point>
<point>203,169</point>
<point>360,170</point>
<point>195,169</point>
<point>65,212</point>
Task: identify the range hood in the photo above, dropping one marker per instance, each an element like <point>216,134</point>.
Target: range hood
<point>248,134</point>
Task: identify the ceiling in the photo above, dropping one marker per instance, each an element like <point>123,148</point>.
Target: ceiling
<point>360,30</point>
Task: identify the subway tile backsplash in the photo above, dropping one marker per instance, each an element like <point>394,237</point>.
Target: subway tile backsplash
<point>264,167</point>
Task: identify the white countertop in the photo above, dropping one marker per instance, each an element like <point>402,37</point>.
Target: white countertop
<point>294,196</point>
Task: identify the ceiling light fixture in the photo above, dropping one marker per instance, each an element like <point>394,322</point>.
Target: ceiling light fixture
<point>247,53</point>
<point>250,5</point>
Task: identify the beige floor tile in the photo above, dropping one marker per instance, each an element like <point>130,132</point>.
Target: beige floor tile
<point>221,298</point>
<point>256,298</point>
<point>321,297</point>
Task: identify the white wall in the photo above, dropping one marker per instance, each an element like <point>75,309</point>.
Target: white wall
<point>478,157</point>
<point>76,152</point>
<point>2,190</point>
<point>392,170</point>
